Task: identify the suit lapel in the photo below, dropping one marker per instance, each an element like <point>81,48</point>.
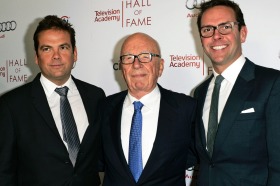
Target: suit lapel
<point>201,99</point>
<point>242,88</point>
<point>115,131</point>
<point>90,109</point>
<point>41,104</point>
<point>167,113</point>
<point>86,101</point>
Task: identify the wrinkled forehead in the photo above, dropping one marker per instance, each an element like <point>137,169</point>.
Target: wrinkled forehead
<point>139,43</point>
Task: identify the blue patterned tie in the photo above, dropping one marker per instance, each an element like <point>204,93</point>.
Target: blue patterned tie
<point>213,115</point>
<point>135,142</point>
<point>69,128</point>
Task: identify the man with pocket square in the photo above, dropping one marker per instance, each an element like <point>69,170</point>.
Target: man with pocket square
<point>238,128</point>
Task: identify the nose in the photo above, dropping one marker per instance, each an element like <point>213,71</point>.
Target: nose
<point>136,63</point>
<point>56,54</point>
<point>217,35</point>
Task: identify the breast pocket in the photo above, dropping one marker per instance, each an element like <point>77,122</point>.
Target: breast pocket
<point>252,111</point>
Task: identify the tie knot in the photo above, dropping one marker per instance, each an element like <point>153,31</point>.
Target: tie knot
<point>219,79</point>
<point>62,91</point>
<point>137,105</point>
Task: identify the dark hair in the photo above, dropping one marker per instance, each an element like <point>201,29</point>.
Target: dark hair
<point>54,22</point>
<point>210,4</point>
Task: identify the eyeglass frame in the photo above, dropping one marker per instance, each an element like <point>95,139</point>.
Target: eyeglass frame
<point>232,23</point>
<point>137,56</point>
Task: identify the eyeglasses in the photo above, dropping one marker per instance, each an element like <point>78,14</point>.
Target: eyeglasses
<point>143,58</point>
<point>223,28</point>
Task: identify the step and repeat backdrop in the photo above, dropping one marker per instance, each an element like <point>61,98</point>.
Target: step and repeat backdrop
<point>102,25</point>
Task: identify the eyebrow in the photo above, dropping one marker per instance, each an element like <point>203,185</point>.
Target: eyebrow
<point>49,46</point>
<point>43,46</point>
<point>67,44</point>
<point>215,25</point>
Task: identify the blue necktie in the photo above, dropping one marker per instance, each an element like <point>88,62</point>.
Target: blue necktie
<point>69,128</point>
<point>213,115</point>
<point>135,142</point>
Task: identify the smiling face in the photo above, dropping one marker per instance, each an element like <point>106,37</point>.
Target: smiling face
<point>55,55</point>
<point>141,78</point>
<point>223,50</point>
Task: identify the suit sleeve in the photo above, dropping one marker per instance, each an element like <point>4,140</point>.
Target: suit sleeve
<point>101,165</point>
<point>273,134</point>
<point>8,160</point>
<point>192,155</point>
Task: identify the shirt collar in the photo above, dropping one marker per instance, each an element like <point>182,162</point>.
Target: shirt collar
<point>148,100</point>
<point>231,72</point>
<point>49,86</point>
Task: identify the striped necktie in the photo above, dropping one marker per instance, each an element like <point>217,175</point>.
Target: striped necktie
<point>69,128</point>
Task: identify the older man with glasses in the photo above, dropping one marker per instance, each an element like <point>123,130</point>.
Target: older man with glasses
<point>146,130</point>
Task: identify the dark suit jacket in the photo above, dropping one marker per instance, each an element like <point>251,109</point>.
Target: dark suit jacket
<point>247,147</point>
<point>167,162</point>
<point>32,152</point>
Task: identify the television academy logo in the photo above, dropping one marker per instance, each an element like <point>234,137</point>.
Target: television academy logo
<point>132,13</point>
<point>8,26</point>
<point>193,4</point>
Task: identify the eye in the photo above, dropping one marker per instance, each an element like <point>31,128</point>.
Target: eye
<point>226,26</point>
<point>128,57</point>
<point>206,29</point>
<point>144,56</point>
<point>64,47</point>
<point>45,49</point>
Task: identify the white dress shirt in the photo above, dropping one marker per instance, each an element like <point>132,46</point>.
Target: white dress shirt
<point>230,74</point>
<point>150,113</point>
<point>75,101</point>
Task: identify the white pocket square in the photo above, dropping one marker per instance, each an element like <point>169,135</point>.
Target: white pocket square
<point>250,110</point>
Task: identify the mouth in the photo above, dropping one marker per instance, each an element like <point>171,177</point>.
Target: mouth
<point>220,47</point>
<point>56,65</point>
<point>138,75</point>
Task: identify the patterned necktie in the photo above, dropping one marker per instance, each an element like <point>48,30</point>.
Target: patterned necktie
<point>135,142</point>
<point>69,128</point>
<point>213,115</point>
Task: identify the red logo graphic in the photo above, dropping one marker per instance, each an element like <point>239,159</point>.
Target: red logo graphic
<point>65,18</point>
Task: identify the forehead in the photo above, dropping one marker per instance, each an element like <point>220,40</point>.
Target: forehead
<point>54,34</point>
<point>217,14</point>
<point>138,44</point>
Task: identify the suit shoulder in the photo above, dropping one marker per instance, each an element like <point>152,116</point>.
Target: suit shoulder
<point>18,92</point>
<point>117,96</point>
<point>111,101</point>
<point>266,72</point>
<point>179,97</point>
<point>89,86</point>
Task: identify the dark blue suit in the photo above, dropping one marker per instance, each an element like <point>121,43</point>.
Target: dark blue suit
<point>167,162</point>
<point>247,146</point>
<point>32,152</point>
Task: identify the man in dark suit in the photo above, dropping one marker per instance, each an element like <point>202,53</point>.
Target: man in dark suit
<point>35,146</point>
<point>166,122</point>
<point>242,148</point>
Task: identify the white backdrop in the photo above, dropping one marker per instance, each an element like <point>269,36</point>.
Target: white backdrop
<point>102,25</point>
